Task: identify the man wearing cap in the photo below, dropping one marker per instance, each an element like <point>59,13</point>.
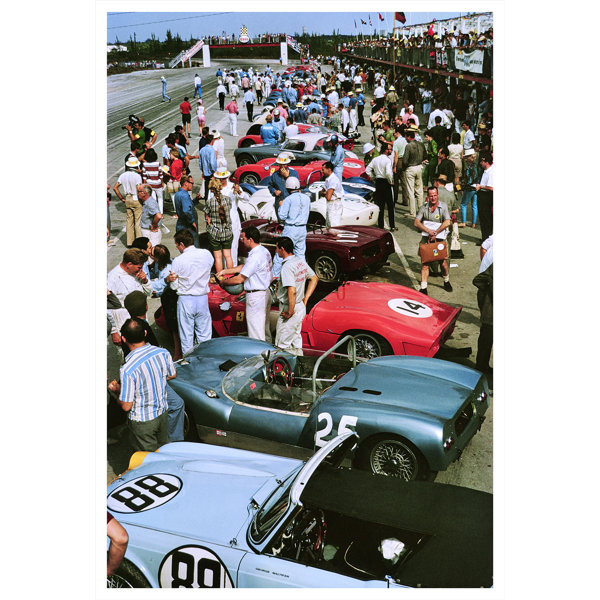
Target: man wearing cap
<point>293,295</point>
<point>333,193</point>
<point>256,275</point>
<point>412,163</point>
<point>187,216</point>
<point>391,99</point>
<point>380,171</point>
<point>130,179</point>
<point>444,195</point>
<point>369,153</point>
<point>269,134</point>
<point>433,221</point>
<point>189,276</point>
<point>293,213</point>
<point>337,157</point>
<point>151,215</point>
<point>300,115</point>
<point>484,141</point>
<point>279,121</point>
<point>249,99</point>
<point>360,106</point>
<point>278,177</point>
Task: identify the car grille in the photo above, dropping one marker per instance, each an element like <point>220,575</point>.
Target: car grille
<point>464,418</point>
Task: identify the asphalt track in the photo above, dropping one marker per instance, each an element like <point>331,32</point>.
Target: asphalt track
<point>140,93</point>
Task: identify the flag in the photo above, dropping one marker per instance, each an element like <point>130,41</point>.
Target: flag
<point>370,23</point>
<point>243,30</point>
<point>363,22</point>
<point>380,17</point>
<point>399,16</point>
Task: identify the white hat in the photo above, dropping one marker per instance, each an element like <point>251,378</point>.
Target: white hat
<point>222,174</point>
<point>165,169</point>
<point>133,162</point>
<point>283,159</point>
<point>292,183</point>
<point>469,152</point>
<point>367,148</point>
<point>276,111</point>
<point>215,133</point>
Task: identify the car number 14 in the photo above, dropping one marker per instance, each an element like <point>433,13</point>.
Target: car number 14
<point>347,424</point>
<point>410,308</point>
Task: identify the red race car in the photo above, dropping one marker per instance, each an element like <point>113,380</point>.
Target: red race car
<point>253,135</point>
<point>307,173</point>
<point>384,318</point>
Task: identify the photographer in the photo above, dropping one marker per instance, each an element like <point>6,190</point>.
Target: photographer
<point>139,133</point>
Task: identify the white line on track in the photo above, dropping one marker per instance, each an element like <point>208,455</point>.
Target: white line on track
<point>409,271</point>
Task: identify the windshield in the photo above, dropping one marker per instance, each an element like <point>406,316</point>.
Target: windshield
<point>240,374</point>
<point>273,509</point>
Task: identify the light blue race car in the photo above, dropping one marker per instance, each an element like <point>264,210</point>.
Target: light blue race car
<point>202,516</point>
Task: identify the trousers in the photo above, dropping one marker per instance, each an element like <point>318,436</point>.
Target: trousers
<point>133,209</point>
<point>414,188</point>
<point>258,315</point>
<point>176,415</point>
<point>193,318</point>
<point>383,199</point>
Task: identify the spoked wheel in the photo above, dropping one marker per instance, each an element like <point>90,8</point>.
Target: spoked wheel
<point>245,160</point>
<point>250,178</point>
<point>116,581</point>
<point>369,345</point>
<point>127,576</point>
<point>327,267</point>
<point>394,457</point>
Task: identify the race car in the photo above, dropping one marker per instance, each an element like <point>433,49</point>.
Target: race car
<point>414,415</point>
<point>383,318</point>
<point>305,148</point>
<point>201,516</point>
<point>253,134</point>
<point>356,209</point>
<point>307,172</point>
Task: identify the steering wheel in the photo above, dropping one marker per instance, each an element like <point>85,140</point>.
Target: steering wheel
<point>280,372</point>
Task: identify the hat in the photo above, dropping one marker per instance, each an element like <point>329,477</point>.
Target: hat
<point>413,128</point>
<point>350,93</point>
<point>276,111</point>
<point>441,177</point>
<point>334,139</point>
<point>359,90</point>
<point>292,183</point>
<point>482,126</point>
<point>299,104</point>
<point>280,100</point>
<point>392,87</point>
<point>367,148</point>
<point>283,159</point>
<point>469,152</point>
<point>222,174</point>
<point>132,162</point>
<point>323,96</point>
<point>215,133</point>
<point>199,100</point>
<point>165,169</point>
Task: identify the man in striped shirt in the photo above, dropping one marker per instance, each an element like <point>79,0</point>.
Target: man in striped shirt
<point>142,389</point>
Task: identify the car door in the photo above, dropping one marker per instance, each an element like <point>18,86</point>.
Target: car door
<point>296,148</point>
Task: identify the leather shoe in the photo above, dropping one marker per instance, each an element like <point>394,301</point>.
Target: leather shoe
<point>447,286</point>
<point>424,291</point>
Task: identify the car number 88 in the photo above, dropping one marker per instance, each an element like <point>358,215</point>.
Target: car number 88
<point>193,567</point>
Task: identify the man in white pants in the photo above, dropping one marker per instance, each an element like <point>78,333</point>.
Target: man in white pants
<point>333,192</point>
<point>189,277</point>
<point>232,111</point>
<point>293,294</point>
<point>255,274</point>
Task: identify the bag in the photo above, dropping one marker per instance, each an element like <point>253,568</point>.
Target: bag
<point>172,187</point>
<point>433,252</point>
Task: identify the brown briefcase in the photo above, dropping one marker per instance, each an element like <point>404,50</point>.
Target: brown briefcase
<point>433,251</point>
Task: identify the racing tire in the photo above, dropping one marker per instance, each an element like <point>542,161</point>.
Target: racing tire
<point>247,144</point>
<point>393,456</point>
<point>245,159</point>
<point>190,433</point>
<point>250,178</point>
<point>127,576</point>
<point>316,218</point>
<point>368,344</point>
<point>327,267</point>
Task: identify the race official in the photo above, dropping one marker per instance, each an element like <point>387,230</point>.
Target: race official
<point>142,391</point>
<point>433,221</point>
<point>293,213</point>
<point>269,134</point>
<point>189,276</point>
<point>380,171</point>
<point>293,294</point>
<point>256,275</point>
<point>278,178</point>
<point>333,192</point>
<point>337,157</point>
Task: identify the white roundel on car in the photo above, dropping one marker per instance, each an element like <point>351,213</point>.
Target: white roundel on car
<point>351,165</point>
<point>410,308</point>
<point>144,493</point>
<point>193,567</point>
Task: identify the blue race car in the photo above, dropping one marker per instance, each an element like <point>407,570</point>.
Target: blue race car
<point>201,516</point>
<point>413,414</point>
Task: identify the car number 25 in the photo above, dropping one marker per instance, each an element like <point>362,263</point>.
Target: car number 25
<point>347,423</point>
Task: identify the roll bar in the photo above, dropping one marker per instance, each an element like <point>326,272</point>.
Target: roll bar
<point>351,346</point>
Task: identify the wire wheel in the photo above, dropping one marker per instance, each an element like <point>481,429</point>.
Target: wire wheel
<point>394,458</point>
<point>245,160</point>
<point>370,345</point>
<point>250,178</point>
<point>327,267</point>
<point>116,581</point>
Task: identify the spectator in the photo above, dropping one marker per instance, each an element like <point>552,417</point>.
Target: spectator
<point>219,226</point>
<point>118,543</point>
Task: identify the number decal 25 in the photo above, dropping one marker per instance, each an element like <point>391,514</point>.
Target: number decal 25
<point>347,423</point>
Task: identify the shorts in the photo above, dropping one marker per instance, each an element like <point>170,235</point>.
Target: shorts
<point>216,245</point>
<point>186,118</point>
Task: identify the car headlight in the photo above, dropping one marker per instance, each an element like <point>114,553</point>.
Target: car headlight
<point>448,442</point>
<point>482,397</point>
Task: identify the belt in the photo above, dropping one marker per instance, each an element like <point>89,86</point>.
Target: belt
<point>252,291</point>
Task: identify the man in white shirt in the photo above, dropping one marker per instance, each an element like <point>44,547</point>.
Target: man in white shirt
<point>256,275</point>
<point>469,137</point>
<point>380,171</point>
<point>219,147</point>
<point>197,86</point>
<point>291,129</point>
<point>485,196</point>
<point>130,180</point>
<point>189,277</point>
<point>438,112</point>
<point>379,95</point>
<point>333,192</point>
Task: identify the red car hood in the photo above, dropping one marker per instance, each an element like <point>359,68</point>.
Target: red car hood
<point>412,322</point>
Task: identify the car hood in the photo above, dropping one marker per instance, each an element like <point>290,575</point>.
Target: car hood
<point>217,486</point>
<point>365,234</point>
<point>354,303</point>
<point>424,385</point>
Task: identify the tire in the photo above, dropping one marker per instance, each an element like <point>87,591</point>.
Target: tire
<point>327,267</point>
<point>190,433</point>
<point>245,159</point>
<point>127,576</point>
<point>368,344</point>
<point>315,218</point>
<point>247,144</point>
<point>251,178</point>
<point>393,456</point>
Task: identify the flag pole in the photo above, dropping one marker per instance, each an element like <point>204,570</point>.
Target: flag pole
<point>394,49</point>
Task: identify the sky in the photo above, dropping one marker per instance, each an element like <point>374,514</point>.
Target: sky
<point>122,25</point>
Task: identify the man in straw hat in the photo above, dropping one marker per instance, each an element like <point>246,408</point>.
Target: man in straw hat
<point>130,179</point>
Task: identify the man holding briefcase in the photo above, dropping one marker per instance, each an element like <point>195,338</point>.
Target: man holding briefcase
<point>433,221</point>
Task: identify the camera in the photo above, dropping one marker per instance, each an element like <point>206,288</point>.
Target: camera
<point>133,120</point>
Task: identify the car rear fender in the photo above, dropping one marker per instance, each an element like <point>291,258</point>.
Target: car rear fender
<point>211,412</point>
